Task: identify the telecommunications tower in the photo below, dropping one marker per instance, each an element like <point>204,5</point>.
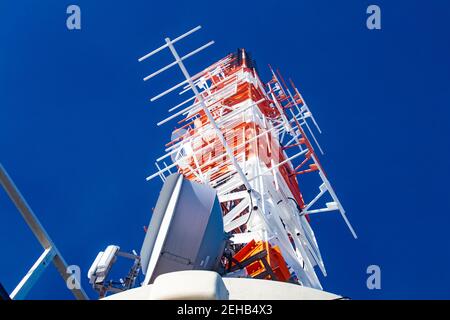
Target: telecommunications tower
<point>254,143</point>
<point>242,180</point>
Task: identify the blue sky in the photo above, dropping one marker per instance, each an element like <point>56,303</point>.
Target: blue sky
<point>78,134</point>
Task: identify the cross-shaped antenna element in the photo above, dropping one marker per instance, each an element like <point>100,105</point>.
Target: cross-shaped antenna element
<point>190,81</point>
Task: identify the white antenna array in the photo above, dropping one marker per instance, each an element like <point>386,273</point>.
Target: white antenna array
<point>190,81</point>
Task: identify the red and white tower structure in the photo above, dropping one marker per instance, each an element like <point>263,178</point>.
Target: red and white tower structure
<point>254,143</point>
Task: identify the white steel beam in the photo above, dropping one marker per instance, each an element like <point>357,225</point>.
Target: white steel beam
<point>39,232</point>
<point>32,276</point>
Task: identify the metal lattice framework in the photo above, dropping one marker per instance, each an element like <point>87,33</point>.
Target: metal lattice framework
<point>242,137</point>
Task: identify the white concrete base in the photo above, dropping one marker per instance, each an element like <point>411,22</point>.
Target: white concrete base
<point>209,285</point>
